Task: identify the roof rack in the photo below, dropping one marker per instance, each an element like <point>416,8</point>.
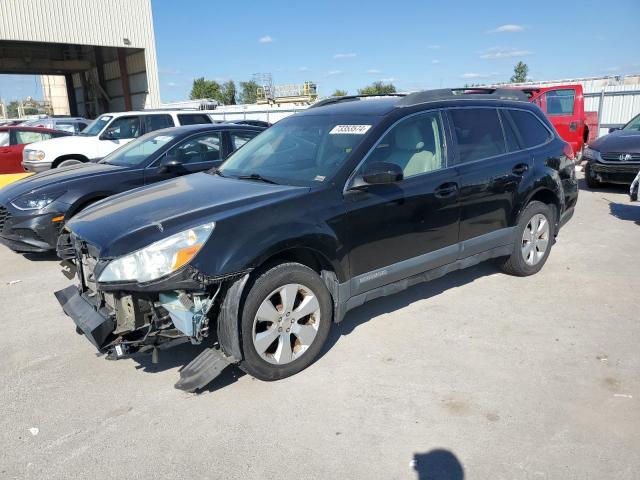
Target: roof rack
<point>458,93</point>
<point>348,98</point>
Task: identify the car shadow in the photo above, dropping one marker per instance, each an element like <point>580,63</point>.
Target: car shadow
<point>399,300</point>
<point>604,188</point>
<point>438,464</point>
<point>181,355</point>
<point>627,212</point>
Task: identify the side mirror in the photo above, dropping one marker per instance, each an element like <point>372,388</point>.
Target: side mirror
<point>613,129</point>
<point>382,173</point>
<point>109,134</point>
<point>169,164</point>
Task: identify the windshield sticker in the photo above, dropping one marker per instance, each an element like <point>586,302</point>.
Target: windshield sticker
<point>319,178</point>
<point>349,129</point>
<point>105,118</point>
<point>163,138</point>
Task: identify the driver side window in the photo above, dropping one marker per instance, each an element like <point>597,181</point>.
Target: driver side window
<point>198,149</point>
<point>124,128</point>
<point>415,145</point>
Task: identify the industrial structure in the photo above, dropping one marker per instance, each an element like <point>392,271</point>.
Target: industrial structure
<point>104,51</point>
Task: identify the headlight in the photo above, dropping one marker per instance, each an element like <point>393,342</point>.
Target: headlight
<point>36,201</point>
<point>591,154</point>
<point>33,155</point>
<point>159,258</point>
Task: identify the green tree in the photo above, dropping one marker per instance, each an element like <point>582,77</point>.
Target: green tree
<point>12,109</point>
<point>249,92</point>
<point>520,72</point>
<point>377,88</point>
<point>206,89</point>
<point>229,93</point>
<point>339,93</point>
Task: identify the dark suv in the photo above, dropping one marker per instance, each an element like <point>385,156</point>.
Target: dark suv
<point>352,199</point>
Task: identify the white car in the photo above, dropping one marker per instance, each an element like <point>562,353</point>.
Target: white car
<point>104,135</point>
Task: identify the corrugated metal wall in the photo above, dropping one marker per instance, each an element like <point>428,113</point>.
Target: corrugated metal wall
<point>88,22</point>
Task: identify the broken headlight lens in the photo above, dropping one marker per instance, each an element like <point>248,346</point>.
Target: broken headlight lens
<point>159,258</point>
<point>36,201</point>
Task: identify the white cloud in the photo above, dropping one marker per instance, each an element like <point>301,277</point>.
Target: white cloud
<point>265,39</point>
<point>479,75</point>
<point>373,70</point>
<point>435,61</point>
<point>169,71</point>
<point>303,69</point>
<point>388,80</point>
<point>334,72</point>
<point>434,47</point>
<point>344,55</point>
<point>173,84</point>
<point>508,28</point>
<point>496,53</point>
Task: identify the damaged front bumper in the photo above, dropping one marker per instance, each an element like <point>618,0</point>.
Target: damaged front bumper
<point>122,320</point>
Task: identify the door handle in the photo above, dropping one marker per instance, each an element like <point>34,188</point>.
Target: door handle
<point>5,150</point>
<point>573,126</point>
<point>520,169</point>
<point>446,190</point>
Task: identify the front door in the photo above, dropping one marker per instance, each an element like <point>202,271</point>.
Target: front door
<point>402,229</point>
<point>562,106</point>
<point>119,132</point>
<point>10,154</point>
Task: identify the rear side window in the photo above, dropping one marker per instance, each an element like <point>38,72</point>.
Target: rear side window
<point>4,139</point>
<point>510,135</point>
<point>23,136</point>
<point>156,122</point>
<point>238,139</point>
<point>478,133</point>
<point>531,130</point>
<point>193,118</point>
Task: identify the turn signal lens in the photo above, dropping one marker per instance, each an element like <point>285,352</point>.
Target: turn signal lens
<point>184,256</point>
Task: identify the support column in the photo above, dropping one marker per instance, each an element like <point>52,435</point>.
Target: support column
<point>71,95</point>
<point>124,77</point>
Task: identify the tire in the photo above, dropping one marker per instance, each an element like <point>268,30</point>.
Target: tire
<point>591,181</point>
<point>527,257</point>
<point>68,162</point>
<point>264,342</point>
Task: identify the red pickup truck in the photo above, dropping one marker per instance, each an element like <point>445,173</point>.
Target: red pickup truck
<point>564,105</point>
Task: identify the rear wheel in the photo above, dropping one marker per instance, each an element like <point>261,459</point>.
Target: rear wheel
<point>590,178</point>
<point>534,238</point>
<point>286,319</point>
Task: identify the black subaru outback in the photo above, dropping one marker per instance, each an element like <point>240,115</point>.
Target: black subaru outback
<point>353,199</point>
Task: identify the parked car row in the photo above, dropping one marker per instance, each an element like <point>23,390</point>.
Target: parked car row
<point>352,199</point>
<point>34,210</point>
<point>13,140</point>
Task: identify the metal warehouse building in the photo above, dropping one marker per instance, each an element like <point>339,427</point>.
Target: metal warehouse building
<point>105,50</point>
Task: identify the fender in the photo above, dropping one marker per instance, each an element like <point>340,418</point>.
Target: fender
<point>550,183</point>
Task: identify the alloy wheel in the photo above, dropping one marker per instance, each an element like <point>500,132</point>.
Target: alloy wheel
<point>286,324</point>
<point>535,239</point>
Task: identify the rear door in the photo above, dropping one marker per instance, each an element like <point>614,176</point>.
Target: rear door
<point>564,105</point>
<point>491,167</point>
<point>196,154</point>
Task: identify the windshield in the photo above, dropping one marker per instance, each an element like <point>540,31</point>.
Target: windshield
<point>138,151</point>
<point>96,126</point>
<point>300,150</point>
<point>633,125</point>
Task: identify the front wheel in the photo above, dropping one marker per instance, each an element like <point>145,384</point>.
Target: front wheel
<point>534,238</point>
<point>69,162</point>
<point>285,322</point>
<point>590,178</point>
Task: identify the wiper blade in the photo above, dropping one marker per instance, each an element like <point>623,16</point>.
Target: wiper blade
<point>258,177</point>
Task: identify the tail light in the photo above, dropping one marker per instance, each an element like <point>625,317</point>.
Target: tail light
<point>568,151</point>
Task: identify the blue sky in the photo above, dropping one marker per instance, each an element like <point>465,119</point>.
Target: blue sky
<point>417,44</point>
